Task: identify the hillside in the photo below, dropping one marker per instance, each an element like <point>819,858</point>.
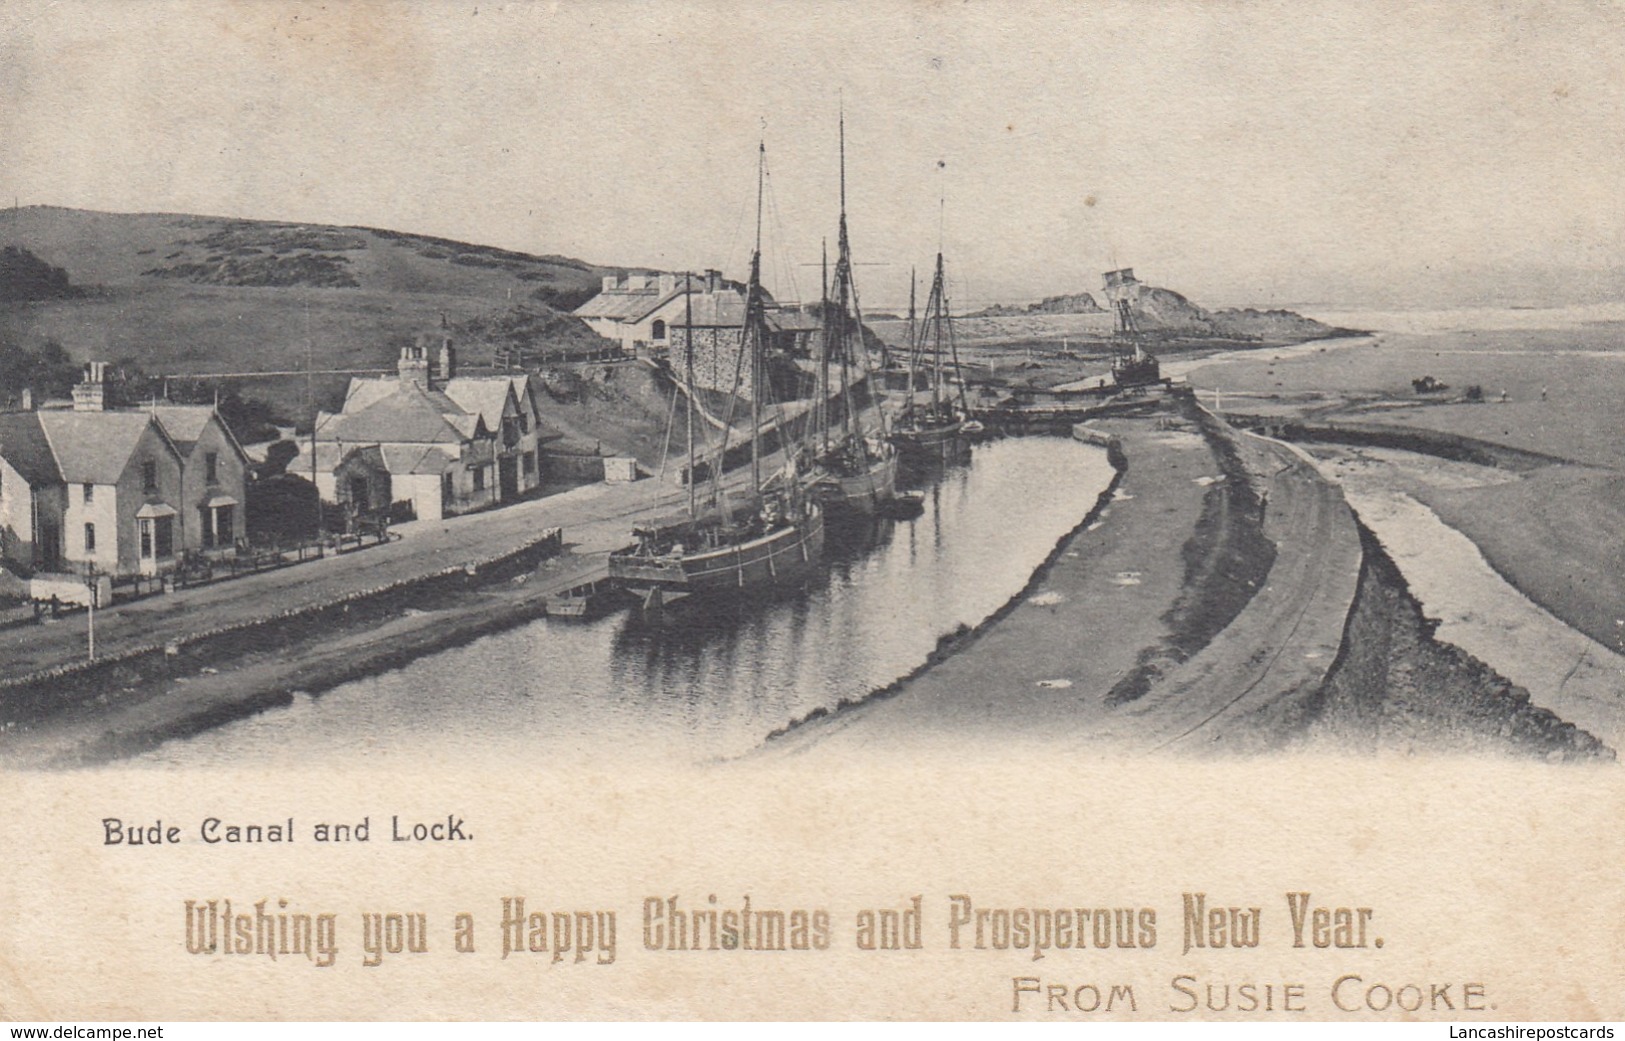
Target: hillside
<point>178,293</point>
<point>23,276</point>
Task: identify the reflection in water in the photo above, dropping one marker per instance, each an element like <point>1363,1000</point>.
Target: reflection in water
<point>713,678</point>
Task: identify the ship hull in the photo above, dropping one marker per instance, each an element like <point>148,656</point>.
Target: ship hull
<point>927,437</point>
<point>786,556</point>
<point>860,493</point>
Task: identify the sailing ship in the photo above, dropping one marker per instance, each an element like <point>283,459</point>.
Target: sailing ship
<point>930,424</point>
<point>773,536</point>
<point>853,470</point>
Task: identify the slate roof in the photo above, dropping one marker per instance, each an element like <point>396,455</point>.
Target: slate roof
<point>485,395</point>
<point>621,304</point>
<point>408,415</point>
<point>414,459</point>
<point>364,391</point>
<point>23,444</point>
<point>95,447</point>
<point>634,305</point>
<point>329,456</point>
<point>183,423</point>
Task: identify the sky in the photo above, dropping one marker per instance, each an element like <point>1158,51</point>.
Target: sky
<point>1243,153</point>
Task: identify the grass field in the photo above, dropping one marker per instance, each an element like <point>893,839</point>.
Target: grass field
<point>184,294</point>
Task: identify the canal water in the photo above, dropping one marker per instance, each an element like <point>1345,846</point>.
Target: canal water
<point>704,683</point>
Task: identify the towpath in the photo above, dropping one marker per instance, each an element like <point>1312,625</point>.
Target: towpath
<point>595,518</point>
<point>1043,670</point>
<point>1040,675</point>
<point>1251,684</point>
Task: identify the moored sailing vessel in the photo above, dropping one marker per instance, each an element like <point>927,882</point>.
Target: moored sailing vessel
<point>772,537</point>
<point>934,423</point>
<point>854,470</point>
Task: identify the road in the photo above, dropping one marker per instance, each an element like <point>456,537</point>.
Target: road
<point>595,518</point>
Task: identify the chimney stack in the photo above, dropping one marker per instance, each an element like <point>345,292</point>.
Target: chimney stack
<point>28,399</point>
<point>713,280</point>
<point>414,365</point>
<point>610,282</point>
<point>668,283</point>
<point>90,395</point>
<point>448,353</point>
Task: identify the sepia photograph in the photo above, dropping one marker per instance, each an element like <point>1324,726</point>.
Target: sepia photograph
<point>915,508</point>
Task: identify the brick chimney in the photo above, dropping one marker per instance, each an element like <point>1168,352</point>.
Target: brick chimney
<point>90,394</point>
<point>668,283</point>
<point>713,280</point>
<point>610,282</point>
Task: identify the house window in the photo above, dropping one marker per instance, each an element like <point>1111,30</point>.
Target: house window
<point>527,463</point>
<point>206,525</point>
<point>89,491</point>
<point>211,467</point>
<point>446,488</point>
<point>658,329</point>
<point>90,536</point>
<point>149,476</point>
<point>479,478</point>
<point>224,525</point>
<point>157,537</point>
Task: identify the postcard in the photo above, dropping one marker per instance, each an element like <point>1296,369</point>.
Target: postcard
<point>691,511</point>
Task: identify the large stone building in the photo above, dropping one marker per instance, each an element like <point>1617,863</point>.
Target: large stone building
<point>636,311</point>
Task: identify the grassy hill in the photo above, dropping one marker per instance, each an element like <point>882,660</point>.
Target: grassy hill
<point>183,294</point>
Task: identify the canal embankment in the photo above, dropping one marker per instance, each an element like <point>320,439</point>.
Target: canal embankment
<point>119,706</point>
<point>1282,622</point>
<point>1038,669</point>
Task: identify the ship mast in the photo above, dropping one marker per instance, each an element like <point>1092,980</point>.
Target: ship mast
<point>938,291</point>
<point>688,380</point>
<point>821,414</point>
<point>753,304</point>
<point>749,341</point>
<point>913,349</point>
